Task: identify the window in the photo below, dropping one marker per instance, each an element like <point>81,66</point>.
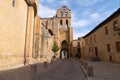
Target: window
<point>61,14</point>
<point>90,49</point>
<point>90,39</point>
<point>108,48</point>
<point>115,25</point>
<point>60,23</point>
<point>13,3</point>
<point>94,38</point>
<point>66,23</point>
<point>118,46</point>
<point>106,30</point>
<point>78,49</point>
<point>78,44</point>
<point>66,14</point>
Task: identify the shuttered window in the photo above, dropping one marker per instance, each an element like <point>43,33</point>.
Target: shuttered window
<point>118,46</point>
<point>108,48</point>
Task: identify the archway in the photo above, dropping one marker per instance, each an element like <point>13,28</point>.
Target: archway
<point>64,50</point>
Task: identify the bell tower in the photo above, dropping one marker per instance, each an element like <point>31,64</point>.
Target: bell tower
<point>65,35</point>
<point>64,15</point>
<point>60,25</point>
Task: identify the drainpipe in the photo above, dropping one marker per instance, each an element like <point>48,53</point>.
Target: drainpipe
<point>26,37</point>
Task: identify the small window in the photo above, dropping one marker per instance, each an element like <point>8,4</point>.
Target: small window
<point>60,23</point>
<point>108,48</point>
<point>118,46</point>
<point>78,44</point>
<point>66,23</point>
<point>78,49</point>
<point>115,25</point>
<point>106,30</point>
<point>94,38</point>
<point>90,49</point>
<point>66,14</point>
<point>61,14</point>
<point>13,3</point>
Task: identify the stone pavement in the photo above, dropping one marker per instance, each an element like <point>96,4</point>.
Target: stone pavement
<point>59,70</point>
<point>62,70</point>
<point>21,73</point>
<point>104,70</point>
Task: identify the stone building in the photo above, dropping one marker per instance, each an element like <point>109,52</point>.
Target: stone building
<point>26,38</point>
<point>104,40</point>
<point>60,26</point>
<point>17,22</point>
<point>76,49</point>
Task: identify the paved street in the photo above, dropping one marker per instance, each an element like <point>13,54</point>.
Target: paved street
<point>105,71</point>
<point>62,70</point>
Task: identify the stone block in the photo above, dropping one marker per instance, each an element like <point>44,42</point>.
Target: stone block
<point>90,71</point>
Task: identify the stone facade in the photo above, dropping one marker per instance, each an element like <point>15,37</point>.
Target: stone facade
<point>16,35</point>
<point>104,40</point>
<point>76,51</point>
<point>26,38</point>
<point>60,26</point>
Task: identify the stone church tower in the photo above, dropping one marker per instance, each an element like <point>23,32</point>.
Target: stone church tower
<point>60,26</point>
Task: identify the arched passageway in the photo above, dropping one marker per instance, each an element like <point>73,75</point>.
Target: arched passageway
<point>64,50</point>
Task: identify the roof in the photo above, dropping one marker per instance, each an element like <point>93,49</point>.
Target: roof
<point>111,17</point>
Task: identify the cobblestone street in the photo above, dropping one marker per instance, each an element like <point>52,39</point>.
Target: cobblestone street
<point>62,70</point>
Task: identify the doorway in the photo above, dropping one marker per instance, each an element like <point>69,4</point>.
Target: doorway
<point>64,50</point>
<point>64,54</point>
<point>110,58</point>
<point>96,51</point>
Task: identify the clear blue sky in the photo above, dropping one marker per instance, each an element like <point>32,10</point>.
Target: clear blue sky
<point>86,14</point>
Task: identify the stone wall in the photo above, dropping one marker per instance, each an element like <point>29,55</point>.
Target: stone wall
<point>12,33</point>
<point>17,32</point>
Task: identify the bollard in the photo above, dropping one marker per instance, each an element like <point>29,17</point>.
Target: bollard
<point>33,68</point>
<point>90,71</point>
<point>45,64</point>
<point>81,61</point>
<point>85,65</point>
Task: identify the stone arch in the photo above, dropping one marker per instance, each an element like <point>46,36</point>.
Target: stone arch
<point>64,49</point>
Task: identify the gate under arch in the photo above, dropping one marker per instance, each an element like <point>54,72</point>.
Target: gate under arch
<point>64,50</point>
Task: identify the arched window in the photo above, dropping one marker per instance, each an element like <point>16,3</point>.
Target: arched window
<point>66,23</point>
<point>60,23</point>
<point>61,14</point>
<point>66,14</point>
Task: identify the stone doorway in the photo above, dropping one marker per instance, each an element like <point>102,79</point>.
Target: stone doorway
<point>96,51</point>
<point>110,58</point>
<point>64,54</point>
<point>64,50</point>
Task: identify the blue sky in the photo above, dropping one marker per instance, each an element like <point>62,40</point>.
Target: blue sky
<point>86,14</point>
